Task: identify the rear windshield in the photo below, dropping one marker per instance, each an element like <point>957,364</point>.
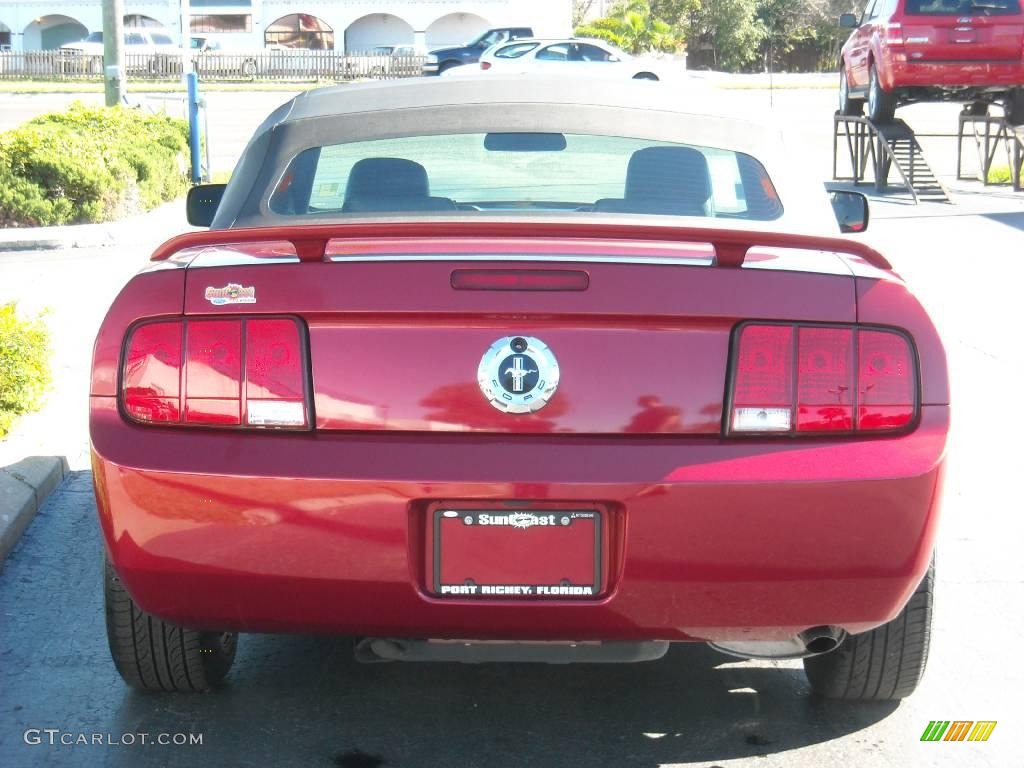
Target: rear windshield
<point>962,7</point>
<point>508,172</point>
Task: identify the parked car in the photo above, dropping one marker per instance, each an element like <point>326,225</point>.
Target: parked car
<point>202,43</point>
<point>218,59</point>
<point>442,59</point>
<point>906,51</point>
<point>558,373</point>
<point>386,61</point>
<point>575,57</point>
<point>142,49</point>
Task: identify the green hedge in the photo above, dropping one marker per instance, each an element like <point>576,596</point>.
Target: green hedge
<point>24,365</point>
<point>90,164</point>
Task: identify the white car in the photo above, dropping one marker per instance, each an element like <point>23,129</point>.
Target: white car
<point>141,48</point>
<point>583,57</point>
<point>395,60</point>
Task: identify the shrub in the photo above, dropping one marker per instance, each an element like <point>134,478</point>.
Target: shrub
<point>89,164</point>
<point>24,365</point>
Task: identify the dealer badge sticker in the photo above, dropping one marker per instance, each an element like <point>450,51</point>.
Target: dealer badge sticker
<point>518,374</point>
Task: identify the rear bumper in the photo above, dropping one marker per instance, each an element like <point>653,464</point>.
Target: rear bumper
<point>982,75</point>
<point>327,532</point>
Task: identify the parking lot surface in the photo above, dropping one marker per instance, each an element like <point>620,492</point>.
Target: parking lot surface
<point>303,701</point>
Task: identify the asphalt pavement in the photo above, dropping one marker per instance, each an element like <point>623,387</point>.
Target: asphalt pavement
<point>303,701</point>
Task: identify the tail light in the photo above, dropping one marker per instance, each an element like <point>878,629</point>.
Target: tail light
<point>228,372</point>
<point>894,34</point>
<point>813,379</point>
<point>485,65</point>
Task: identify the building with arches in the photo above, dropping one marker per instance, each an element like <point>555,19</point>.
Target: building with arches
<point>342,25</point>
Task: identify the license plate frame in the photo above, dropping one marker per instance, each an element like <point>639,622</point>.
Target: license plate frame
<point>964,35</point>
<point>519,521</point>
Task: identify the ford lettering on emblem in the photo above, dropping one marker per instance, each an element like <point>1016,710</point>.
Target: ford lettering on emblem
<point>518,374</point>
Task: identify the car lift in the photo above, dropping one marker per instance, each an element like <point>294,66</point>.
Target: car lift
<point>989,134</point>
<point>874,149</point>
<point>885,146</point>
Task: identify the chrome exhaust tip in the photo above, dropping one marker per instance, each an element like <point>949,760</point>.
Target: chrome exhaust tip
<point>818,640</point>
<point>810,642</point>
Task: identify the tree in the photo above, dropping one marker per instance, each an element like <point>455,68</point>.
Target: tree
<point>608,28</point>
<point>673,12</point>
<point>810,25</point>
<point>727,28</point>
<point>730,35</point>
<point>580,9</point>
<point>633,27</point>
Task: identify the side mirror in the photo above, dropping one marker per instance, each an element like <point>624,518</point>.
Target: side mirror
<point>202,203</point>
<point>851,210</point>
<point>848,21</point>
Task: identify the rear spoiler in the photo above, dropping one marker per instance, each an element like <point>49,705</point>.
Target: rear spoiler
<point>310,240</point>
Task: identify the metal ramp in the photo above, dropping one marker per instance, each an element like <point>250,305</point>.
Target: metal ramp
<point>991,134</point>
<point>874,150</point>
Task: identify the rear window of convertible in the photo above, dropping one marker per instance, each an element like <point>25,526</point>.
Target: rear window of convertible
<point>503,172</point>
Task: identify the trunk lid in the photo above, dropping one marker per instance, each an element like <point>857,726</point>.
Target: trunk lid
<point>642,343</point>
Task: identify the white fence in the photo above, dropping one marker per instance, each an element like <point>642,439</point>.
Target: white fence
<point>277,64</point>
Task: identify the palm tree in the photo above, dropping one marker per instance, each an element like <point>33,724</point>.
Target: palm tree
<point>639,31</point>
<point>632,27</point>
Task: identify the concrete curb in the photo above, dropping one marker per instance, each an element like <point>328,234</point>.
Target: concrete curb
<point>163,221</point>
<point>23,489</point>
<point>74,236</point>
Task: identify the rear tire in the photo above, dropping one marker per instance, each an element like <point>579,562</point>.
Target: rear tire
<point>881,103</point>
<point>153,655</point>
<point>1015,107</point>
<point>885,664</point>
<point>848,106</point>
<point>645,76</point>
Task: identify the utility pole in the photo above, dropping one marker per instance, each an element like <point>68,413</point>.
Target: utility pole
<point>113,51</point>
<point>184,24</point>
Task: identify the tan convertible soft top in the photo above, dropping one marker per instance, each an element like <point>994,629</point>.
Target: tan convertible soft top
<point>696,115</point>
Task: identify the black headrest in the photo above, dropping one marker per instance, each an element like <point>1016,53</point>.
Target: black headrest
<point>386,177</point>
<point>676,175</point>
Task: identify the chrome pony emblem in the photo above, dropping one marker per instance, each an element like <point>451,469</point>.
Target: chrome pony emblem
<point>518,374</point>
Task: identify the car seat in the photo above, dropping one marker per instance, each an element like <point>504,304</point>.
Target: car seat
<point>672,181</point>
<point>390,184</point>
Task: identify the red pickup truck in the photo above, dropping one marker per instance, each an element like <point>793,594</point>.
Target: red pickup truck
<point>907,51</point>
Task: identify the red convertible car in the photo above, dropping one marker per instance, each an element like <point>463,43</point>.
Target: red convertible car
<point>517,371</point>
